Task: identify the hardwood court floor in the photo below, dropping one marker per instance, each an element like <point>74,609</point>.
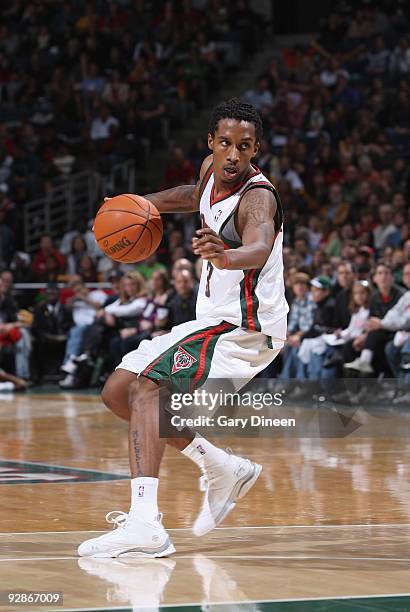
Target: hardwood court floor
<point>328,519</point>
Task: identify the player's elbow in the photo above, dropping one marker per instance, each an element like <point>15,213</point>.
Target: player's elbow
<point>262,256</point>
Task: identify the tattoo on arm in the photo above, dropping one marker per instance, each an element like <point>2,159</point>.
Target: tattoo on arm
<point>137,452</point>
<point>260,207</point>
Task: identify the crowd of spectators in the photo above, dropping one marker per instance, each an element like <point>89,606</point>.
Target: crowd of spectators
<point>90,84</point>
<point>336,144</point>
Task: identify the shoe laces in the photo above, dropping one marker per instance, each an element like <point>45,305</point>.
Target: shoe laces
<point>117,518</point>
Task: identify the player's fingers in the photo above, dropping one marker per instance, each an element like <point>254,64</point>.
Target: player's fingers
<point>206,231</point>
<point>209,252</point>
<point>208,240</point>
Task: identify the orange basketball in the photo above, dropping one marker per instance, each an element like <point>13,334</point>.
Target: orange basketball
<point>128,228</point>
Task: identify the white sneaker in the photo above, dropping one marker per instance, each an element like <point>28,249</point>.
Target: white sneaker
<point>359,366</point>
<point>223,487</point>
<point>132,538</point>
<point>404,398</point>
<point>69,367</point>
<point>68,382</point>
<point>7,386</point>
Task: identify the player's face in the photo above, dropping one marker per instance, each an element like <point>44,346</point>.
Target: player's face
<point>233,146</point>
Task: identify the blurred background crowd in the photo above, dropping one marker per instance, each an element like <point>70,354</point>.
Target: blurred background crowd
<point>82,84</point>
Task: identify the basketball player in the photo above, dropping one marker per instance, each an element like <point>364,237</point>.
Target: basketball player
<point>239,329</point>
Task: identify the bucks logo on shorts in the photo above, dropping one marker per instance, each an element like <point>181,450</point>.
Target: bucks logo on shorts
<point>182,360</point>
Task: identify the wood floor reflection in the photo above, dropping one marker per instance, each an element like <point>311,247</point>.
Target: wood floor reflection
<point>327,518</point>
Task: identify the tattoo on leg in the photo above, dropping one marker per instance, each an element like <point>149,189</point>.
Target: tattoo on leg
<point>137,452</point>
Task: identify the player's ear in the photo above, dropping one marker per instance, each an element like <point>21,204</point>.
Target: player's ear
<point>256,148</point>
<point>210,142</point>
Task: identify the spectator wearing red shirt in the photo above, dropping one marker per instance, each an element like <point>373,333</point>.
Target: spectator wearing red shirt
<point>46,251</point>
<point>180,171</point>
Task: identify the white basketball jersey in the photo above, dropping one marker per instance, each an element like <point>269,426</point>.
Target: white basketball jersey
<point>254,298</point>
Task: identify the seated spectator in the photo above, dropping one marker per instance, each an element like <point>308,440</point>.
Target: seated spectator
<point>78,249</point>
<point>9,329</point>
<point>78,228</point>
<point>51,322</point>
<point>309,361</point>
<point>150,323</point>
<point>371,344</point>
<point>48,261</point>
<point>300,321</point>
<point>397,320</point>
<point>83,307</point>
<point>103,125</point>
<point>179,171</point>
<point>182,306</point>
<point>341,342</point>
<point>342,291</point>
<point>23,344</point>
<point>87,269</point>
<point>122,313</point>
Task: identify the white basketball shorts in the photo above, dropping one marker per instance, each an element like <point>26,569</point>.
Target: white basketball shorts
<point>200,349</point>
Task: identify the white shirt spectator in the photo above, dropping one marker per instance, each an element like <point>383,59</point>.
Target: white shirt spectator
<point>292,177</point>
<point>129,309</point>
<point>101,128</point>
<point>356,325</point>
<point>83,313</point>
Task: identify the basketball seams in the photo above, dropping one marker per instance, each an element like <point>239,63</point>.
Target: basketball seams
<point>144,227</point>
<point>122,229</point>
<point>129,212</point>
<point>136,243</point>
<point>146,210</point>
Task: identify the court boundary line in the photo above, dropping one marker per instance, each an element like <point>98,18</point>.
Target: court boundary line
<point>63,467</point>
<point>271,557</point>
<point>239,527</point>
<point>246,601</point>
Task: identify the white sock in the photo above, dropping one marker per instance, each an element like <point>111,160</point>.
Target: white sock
<point>144,503</point>
<point>205,454</point>
<point>366,356</point>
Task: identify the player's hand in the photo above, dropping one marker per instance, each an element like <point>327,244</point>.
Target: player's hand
<point>209,246</point>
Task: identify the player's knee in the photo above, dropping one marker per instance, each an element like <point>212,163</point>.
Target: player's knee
<point>142,393</point>
<point>108,395</point>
